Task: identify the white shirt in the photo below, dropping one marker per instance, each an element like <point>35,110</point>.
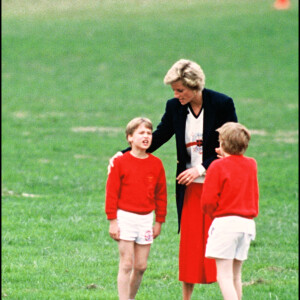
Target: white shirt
<point>193,141</point>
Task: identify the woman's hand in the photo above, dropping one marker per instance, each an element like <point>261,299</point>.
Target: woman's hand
<point>111,161</point>
<point>188,176</point>
<point>114,230</point>
<point>156,229</point>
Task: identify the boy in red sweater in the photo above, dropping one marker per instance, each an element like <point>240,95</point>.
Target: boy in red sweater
<point>230,197</point>
<point>136,186</point>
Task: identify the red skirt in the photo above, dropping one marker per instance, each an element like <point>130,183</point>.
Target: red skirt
<point>194,267</point>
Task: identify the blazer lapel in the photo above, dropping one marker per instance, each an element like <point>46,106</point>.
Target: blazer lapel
<point>209,117</point>
<point>182,113</point>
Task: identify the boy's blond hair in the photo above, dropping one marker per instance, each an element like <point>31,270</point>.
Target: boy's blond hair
<point>135,123</point>
<point>234,138</point>
<point>189,72</point>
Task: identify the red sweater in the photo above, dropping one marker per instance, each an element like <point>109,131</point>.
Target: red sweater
<point>136,185</point>
<point>231,188</point>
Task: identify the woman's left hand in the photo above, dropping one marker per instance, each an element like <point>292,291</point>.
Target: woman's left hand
<point>188,176</point>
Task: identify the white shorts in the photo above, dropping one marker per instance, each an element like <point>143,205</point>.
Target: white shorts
<point>228,245</point>
<point>135,227</point>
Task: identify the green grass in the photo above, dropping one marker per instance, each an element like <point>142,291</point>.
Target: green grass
<point>74,65</point>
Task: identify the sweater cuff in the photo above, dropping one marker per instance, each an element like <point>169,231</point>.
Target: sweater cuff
<point>201,170</point>
<point>111,216</point>
<point>160,219</point>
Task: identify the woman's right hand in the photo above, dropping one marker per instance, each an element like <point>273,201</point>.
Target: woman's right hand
<point>111,161</point>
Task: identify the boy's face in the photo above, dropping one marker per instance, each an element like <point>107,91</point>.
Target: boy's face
<point>221,146</point>
<point>141,138</point>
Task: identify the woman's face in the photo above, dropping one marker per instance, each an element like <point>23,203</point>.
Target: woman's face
<point>184,94</point>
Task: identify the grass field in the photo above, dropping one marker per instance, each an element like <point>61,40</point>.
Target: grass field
<point>74,73</point>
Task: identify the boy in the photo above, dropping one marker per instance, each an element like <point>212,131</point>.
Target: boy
<point>136,186</point>
<point>230,198</point>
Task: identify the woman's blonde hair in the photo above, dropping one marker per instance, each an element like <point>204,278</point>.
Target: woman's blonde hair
<point>189,72</point>
<point>234,138</point>
<point>135,123</point>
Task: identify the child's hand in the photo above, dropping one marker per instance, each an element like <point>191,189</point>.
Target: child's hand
<point>156,229</point>
<point>219,152</point>
<point>114,230</point>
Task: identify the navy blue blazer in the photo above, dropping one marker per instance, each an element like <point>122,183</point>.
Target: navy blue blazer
<point>218,109</point>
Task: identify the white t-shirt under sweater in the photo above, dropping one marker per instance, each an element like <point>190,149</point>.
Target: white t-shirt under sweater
<point>193,142</point>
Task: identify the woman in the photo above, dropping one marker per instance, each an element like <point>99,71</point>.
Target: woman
<point>193,115</point>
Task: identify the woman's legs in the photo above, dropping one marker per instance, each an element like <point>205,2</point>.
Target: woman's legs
<point>187,290</point>
<point>193,266</point>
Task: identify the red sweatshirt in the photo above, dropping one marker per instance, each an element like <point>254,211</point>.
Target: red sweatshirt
<point>231,188</point>
<point>136,185</point>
